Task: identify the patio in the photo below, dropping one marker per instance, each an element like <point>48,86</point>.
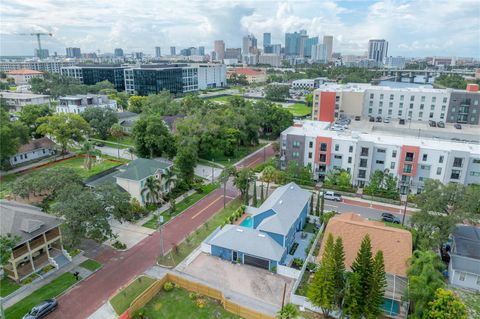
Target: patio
<point>302,238</point>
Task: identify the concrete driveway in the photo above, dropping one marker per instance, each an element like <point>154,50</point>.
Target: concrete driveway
<point>128,233</point>
<point>247,280</point>
<point>206,171</point>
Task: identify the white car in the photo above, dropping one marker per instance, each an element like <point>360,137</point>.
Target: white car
<point>333,196</point>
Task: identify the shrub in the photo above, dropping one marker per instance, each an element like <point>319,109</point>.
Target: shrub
<point>326,217</point>
<point>297,263</point>
<point>47,268</point>
<point>168,286</point>
<point>201,303</point>
<point>29,279</point>
<point>119,245</point>
<point>193,295</point>
<point>74,252</point>
<point>311,266</point>
<point>274,269</point>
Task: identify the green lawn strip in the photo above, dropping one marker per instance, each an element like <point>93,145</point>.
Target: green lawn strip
<point>7,286</point>
<point>51,290</point>
<point>195,238</point>
<point>178,304</point>
<point>239,154</point>
<point>223,98</point>
<point>122,300</point>
<point>299,109</point>
<point>183,205</point>
<point>91,264</point>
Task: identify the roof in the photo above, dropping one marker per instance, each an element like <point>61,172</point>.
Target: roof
<point>126,114</point>
<point>24,72</point>
<point>141,168</point>
<point>246,71</point>
<point>247,240</point>
<point>466,244</point>
<point>395,243</point>
<point>26,96</point>
<point>287,202</point>
<point>465,264</point>
<point>170,120</point>
<point>24,220</point>
<point>39,143</point>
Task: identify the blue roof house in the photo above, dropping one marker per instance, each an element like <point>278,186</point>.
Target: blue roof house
<point>267,235</point>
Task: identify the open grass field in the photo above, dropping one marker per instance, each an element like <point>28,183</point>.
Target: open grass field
<point>299,109</point>
<point>122,300</point>
<point>241,152</point>
<point>91,264</point>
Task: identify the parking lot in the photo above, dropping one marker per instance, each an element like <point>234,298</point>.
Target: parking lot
<point>247,280</point>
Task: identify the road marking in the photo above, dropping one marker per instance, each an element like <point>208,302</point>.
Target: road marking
<point>331,206</point>
<point>219,197</point>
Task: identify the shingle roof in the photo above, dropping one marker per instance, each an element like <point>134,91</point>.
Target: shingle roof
<point>395,243</point>
<point>246,71</point>
<point>247,240</point>
<point>39,143</point>
<point>141,168</point>
<point>24,220</point>
<point>287,202</point>
<point>465,264</point>
<point>467,241</point>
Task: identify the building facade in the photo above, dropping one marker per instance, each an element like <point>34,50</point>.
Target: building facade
<point>22,77</point>
<point>118,53</point>
<point>378,50</point>
<point>409,158</point>
<point>328,42</point>
<point>270,59</point>
<point>219,48</point>
<point>16,101</point>
<point>35,149</point>
<point>233,53</point>
<point>74,53</point>
<point>43,66</point>
<point>79,103</point>
<point>464,106</point>
<point>464,265</point>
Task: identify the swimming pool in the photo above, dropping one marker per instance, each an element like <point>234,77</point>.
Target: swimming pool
<point>247,222</point>
<point>390,307</point>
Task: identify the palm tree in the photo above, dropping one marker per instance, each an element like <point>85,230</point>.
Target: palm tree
<point>267,175</point>
<point>224,177</point>
<point>152,190</point>
<point>289,311</point>
<point>87,149</point>
<point>170,178</point>
<point>131,150</point>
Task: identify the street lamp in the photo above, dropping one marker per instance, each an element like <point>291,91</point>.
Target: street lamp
<point>408,185</point>
<point>160,230</point>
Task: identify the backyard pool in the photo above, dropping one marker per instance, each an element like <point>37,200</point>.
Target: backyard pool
<point>247,222</point>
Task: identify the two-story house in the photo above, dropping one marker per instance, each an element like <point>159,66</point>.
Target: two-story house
<point>79,103</point>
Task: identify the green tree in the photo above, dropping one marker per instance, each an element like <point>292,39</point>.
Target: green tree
<point>12,136</point>
<point>277,92</point>
<point>227,172</point>
<point>267,176</point>
<point>152,190</point>
<point>382,183</point>
<point>170,178</point>
<point>289,311</point>
<point>338,179</point>
<point>121,98</point>
<point>378,283</point>
<point>317,206</point>
<point>87,149</point>
<point>116,132</point>
<point>186,160</point>
<point>7,243</point>
<point>136,103</point>
<point>446,305</point>
<point>152,137</point>
<point>30,114</point>
<point>309,99</point>
<point>101,120</point>
<point>353,297</point>
<point>262,196</point>
<point>339,271</point>
<point>242,180</point>
<point>274,119</point>
<point>64,128</point>
<point>254,200</point>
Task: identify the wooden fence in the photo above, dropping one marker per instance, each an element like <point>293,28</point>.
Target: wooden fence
<point>200,288</point>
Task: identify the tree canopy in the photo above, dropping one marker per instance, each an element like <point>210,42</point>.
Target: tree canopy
<point>12,136</point>
<point>152,137</point>
<point>101,120</point>
<point>30,114</point>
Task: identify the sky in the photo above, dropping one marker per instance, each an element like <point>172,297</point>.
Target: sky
<point>413,28</point>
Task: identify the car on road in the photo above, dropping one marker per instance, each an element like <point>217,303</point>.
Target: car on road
<point>386,120</point>
<point>99,144</point>
<point>441,124</point>
<point>333,196</point>
<point>458,126</point>
<point>357,118</point>
<point>387,217</point>
<point>379,119</point>
<point>42,309</point>
<point>432,123</point>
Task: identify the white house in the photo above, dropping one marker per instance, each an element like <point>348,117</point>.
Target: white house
<point>79,103</point>
<point>464,266</point>
<point>16,101</point>
<point>39,148</point>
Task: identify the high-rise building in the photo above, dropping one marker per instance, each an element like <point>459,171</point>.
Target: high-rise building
<point>158,52</point>
<point>42,54</point>
<point>293,42</point>
<point>74,53</point>
<point>319,53</point>
<point>306,46</point>
<point>233,53</point>
<point>267,39</point>
<point>378,50</point>
<point>395,62</point>
<point>249,44</point>
<point>173,51</point>
<point>328,41</point>
<point>118,52</point>
<point>201,51</point>
<point>138,55</point>
<point>219,48</point>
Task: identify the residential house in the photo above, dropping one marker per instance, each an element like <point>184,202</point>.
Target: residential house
<point>23,76</point>
<point>79,103</point>
<point>253,76</point>
<point>35,149</point>
<point>464,265</point>
<point>39,239</point>
<point>126,120</point>
<point>269,232</point>
<point>395,243</point>
<point>16,101</point>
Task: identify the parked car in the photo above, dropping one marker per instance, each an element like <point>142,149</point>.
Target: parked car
<point>432,123</point>
<point>42,309</point>
<point>100,144</point>
<point>441,124</point>
<point>357,118</point>
<point>458,126</point>
<point>387,120</point>
<point>387,217</point>
<point>371,119</point>
<point>333,196</point>
<point>401,121</point>
<point>379,118</point>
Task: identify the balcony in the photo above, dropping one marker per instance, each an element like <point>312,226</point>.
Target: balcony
<point>20,251</point>
<point>38,242</point>
<point>52,234</point>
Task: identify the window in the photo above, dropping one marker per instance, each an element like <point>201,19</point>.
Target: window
<point>380,162</point>
<point>407,168</point>
<point>371,95</point>
<point>310,144</point>
<point>425,167</point>
<point>444,107</point>
<point>392,165</point>
<point>337,156</point>
<point>364,151</point>
<point>461,276</point>
<point>381,96</point>
<point>323,147</point>
<point>412,98</point>
<point>439,171</point>
<point>323,158</point>
<point>434,99</point>
<point>349,160</point>
<point>430,115</point>
<point>399,112</point>
<point>432,107</point>
<point>442,116</point>
<point>424,157</point>
<point>410,113</point>
<point>363,162</point>
<point>337,147</point>
<point>457,162</point>
<point>14,158</point>
<point>21,156</point>
<point>455,174</point>
<point>390,112</point>
<point>409,157</point>
<point>440,159</point>
<point>390,104</point>
<point>370,111</point>
<point>420,114</point>
<point>309,154</point>
<point>401,104</point>
<point>380,104</point>
<point>379,111</point>
<point>476,161</point>
<point>295,154</point>
<point>394,153</point>
<point>411,106</point>
<point>370,103</point>
<point>381,150</point>
<point>391,96</point>
<point>296,144</point>
<point>474,173</point>
<point>444,100</point>
<point>401,98</point>
<point>362,173</point>
<point>350,149</point>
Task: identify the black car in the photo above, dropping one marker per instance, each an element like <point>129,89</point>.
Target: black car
<point>371,119</point>
<point>387,217</point>
<point>379,118</point>
<point>42,309</point>
<point>458,126</point>
<point>432,123</point>
<point>441,124</point>
<point>357,118</point>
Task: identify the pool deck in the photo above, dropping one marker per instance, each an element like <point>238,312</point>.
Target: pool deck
<point>241,219</point>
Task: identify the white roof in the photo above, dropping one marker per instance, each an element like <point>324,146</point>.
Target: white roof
<point>14,95</point>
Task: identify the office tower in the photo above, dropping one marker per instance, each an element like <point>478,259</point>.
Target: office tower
<point>267,39</point>
<point>201,51</point>
<point>319,53</point>
<point>293,42</point>
<point>378,50</point>
<point>74,53</point>
<point>42,54</point>
<point>138,55</point>
<point>158,52</point>
<point>306,46</point>
<point>249,44</point>
<point>173,51</point>
<point>233,53</point>
<point>118,52</point>
<point>328,41</point>
<point>219,48</point>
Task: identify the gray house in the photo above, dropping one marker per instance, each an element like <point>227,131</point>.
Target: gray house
<point>464,266</point>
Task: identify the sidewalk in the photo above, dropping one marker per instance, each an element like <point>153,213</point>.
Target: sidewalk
<point>377,205</point>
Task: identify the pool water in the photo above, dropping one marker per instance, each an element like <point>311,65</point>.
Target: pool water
<point>247,222</point>
<point>390,307</point>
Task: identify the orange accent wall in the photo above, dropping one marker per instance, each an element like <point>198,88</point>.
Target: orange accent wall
<point>328,152</point>
<point>471,87</point>
<point>326,110</point>
<point>416,154</point>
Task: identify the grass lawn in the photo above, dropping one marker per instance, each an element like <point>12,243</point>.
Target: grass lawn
<point>51,290</point>
<point>222,99</point>
<point>91,264</point>
<point>195,238</point>
<point>177,304</point>
<point>239,154</point>
<point>122,300</point>
<point>183,205</point>
<point>7,286</point>
<point>299,109</point>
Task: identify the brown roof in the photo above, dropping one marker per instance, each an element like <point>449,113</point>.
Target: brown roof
<point>24,72</point>
<point>395,243</point>
<point>43,142</point>
<point>246,71</point>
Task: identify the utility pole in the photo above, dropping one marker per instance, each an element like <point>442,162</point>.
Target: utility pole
<point>213,160</point>
<point>283,298</point>
<point>160,230</point>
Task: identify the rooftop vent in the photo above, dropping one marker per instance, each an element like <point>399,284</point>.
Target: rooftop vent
<point>280,201</point>
<point>30,225</point>
<point>240,230</point>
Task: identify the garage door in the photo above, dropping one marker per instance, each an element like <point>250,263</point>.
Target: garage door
<point>255,261</point>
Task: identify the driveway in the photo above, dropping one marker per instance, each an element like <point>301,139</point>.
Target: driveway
<point>206,171</point>
<point>247,280</point>
<point>128,233</point>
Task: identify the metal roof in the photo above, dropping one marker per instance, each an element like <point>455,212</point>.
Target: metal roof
<point>247,240</point>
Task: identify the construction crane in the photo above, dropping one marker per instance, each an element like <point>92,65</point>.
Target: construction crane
<point>40,51</point>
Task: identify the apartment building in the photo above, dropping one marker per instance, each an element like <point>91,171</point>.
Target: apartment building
<point>53,66</point>
<point>416,104</point>
<point>79,103</point>
<point>409,158</point>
